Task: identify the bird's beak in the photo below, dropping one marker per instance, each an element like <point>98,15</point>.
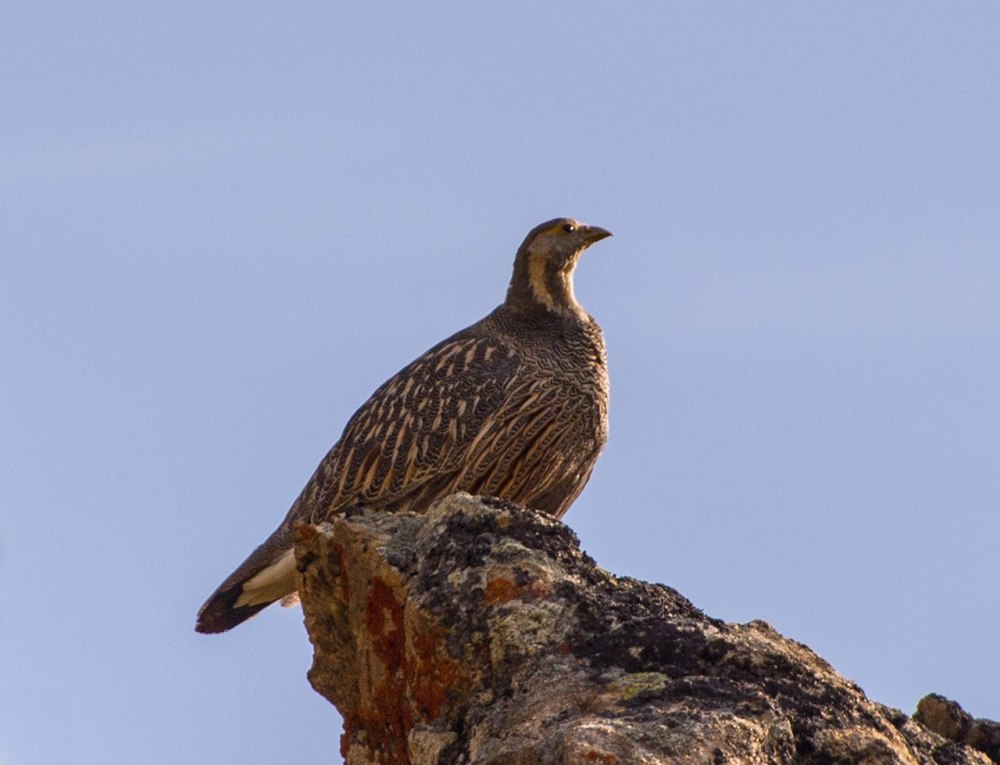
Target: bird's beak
<point>593,234</point>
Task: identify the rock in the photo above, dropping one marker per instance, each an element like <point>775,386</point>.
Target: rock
<point>479,633</point>
<point>946,718</point>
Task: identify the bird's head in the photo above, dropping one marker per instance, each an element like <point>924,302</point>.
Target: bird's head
<point>543,267</point>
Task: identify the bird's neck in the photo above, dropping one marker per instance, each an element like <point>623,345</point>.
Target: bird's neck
<point>540,284</point>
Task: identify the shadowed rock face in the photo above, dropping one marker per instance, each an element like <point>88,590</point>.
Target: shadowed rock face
<point>479,633</point>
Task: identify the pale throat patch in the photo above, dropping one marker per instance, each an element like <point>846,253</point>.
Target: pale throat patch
<point>541,288</point>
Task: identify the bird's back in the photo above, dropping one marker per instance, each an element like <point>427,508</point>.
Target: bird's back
<point>507,407</point>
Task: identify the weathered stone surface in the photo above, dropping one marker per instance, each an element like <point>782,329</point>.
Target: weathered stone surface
<point>479,633</point>
<point>949,720</point>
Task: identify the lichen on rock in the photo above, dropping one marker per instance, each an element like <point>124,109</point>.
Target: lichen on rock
<point>480,633</point>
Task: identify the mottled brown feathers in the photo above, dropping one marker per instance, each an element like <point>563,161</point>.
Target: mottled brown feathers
<point>514,406</point>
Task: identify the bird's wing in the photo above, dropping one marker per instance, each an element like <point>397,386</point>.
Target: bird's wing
<point>464,416</point>
<point>442,414</point>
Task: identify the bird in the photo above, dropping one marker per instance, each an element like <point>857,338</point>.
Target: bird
<point>514,406</point>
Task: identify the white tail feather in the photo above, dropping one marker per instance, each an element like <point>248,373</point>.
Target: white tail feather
<point>274,582</point>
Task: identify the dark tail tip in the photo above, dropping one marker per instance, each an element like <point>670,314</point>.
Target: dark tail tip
<point>220,612</point>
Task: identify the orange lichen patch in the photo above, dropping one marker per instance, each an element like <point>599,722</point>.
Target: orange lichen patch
<point>605,758</point>
<point>384,621</point>
<point>387,719</point>
<point>436,681</point>
<point>502,590</point>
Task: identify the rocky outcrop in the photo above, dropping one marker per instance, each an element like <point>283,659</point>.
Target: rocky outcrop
<point>479,633</point>
<point>946,718</point>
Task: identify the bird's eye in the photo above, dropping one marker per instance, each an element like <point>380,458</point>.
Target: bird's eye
<point>569,228</point>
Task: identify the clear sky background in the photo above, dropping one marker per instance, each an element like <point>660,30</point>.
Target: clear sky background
<point>224,224</point>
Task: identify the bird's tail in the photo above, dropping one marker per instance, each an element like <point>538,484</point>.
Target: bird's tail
<point>266,576</point>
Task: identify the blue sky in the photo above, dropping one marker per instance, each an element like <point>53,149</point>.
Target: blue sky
<point>224,226</point>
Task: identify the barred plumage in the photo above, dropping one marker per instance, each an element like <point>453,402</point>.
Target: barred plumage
<point>514,406</point>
